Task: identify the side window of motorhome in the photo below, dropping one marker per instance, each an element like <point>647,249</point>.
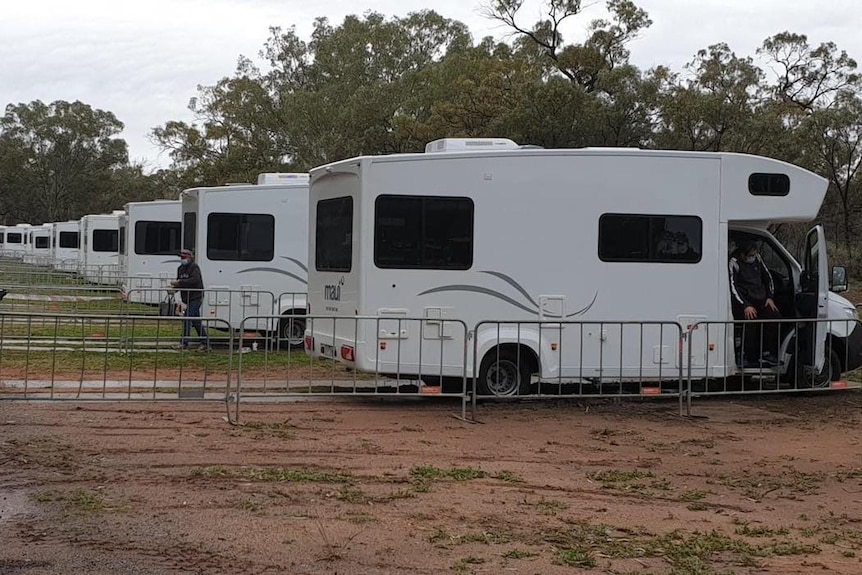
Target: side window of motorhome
<point>650,238</point>
<point>106,240</point>
<point>241,237</point>
<point>769,184</point>
<point>123,240</point>
<point>13,238</point>
<point>157,238</point>
<point>69,240</point>
<point>333,236</point>
<point>190,230</point>
<point>423,232</point>
<point>43,242</point>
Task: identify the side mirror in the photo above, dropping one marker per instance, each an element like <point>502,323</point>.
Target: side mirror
<point>839,279</point>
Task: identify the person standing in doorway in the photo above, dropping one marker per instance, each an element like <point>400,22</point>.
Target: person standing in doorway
<point>190,283</point>
<point>753,298</point>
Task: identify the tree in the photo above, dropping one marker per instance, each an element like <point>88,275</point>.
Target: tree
<point>60,157</point>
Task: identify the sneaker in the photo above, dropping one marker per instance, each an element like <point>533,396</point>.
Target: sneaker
<point>204,348</point>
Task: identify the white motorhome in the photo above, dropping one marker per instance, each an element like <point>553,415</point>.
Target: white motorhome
<point>251,242</point>
<point>17,240</point>
<point>150,235</point>
<point>98,256</point>
<point>65,242</point>
<point>533,235</point>
<point>3,241</point>
<point>39,245</point>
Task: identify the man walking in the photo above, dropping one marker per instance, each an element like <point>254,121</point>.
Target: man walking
<point>191,285</point>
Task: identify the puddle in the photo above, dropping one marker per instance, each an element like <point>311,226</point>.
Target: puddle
<point>15,504</point>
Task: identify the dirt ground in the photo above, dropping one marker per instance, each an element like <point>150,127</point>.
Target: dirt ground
<point>753,485</point>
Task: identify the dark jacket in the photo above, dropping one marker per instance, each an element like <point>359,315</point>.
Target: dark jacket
<point>191,282</point>
<point>750,284</point>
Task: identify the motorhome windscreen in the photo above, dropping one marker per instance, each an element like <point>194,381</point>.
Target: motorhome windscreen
<point>240,237</point>
<point>106,241</point>
<point>650,238</point>
<point>42,242</point>
<point>190,230</point>
<point>157,238</point>
<point>69,240</point>
<point>333,235</point>
<point>14,238</point>
<point>423,232</point>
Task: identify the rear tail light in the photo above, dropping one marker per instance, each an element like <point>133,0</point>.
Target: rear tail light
<point>309,343</point>
<point>347,353</point>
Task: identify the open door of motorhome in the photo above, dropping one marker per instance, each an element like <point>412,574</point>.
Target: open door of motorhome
<point>816,283</point>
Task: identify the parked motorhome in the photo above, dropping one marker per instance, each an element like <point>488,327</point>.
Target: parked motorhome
<point>39,245</point>
<point>17,240</point>
<point>98,256</point>
<point>65,242</point>
<point>484,230</point>
<point>150,235</point>
<point>251,242</point>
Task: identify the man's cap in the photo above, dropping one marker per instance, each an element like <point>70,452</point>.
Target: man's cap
<point>187,253</point>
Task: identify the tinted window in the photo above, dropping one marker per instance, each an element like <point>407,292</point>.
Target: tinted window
<point>106,240</point>
<point>69,240</point>
<point>333,235</point>
<point>13,238</point>
<point>157,238</point>
<point>419,232</point>
<point>241,237</point>
<point>647,238</point>
<point>190,230</point>
<point>769,184</point>
<point>43,242</point>
<point>123,240</point>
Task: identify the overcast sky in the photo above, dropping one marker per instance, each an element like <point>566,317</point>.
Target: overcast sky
<point>143,60</point>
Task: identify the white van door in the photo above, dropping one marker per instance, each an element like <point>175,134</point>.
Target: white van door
<point>816,267</point>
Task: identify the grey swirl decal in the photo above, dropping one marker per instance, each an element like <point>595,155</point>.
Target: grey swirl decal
<point>534,309</point>
<point>277,271</point>
<point>477,289</point>
<point>301,265</point>
<point>512,283</point>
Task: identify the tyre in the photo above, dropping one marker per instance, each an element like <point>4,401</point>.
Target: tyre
<point>503,374</point>
<point>805,378</point>
<point>291,332</point>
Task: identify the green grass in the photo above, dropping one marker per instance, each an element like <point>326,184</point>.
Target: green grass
<point>575,557</point>
<point>81,500</point>
<point>431,473</point>
<point>519,554</point>
<point>273,474</point>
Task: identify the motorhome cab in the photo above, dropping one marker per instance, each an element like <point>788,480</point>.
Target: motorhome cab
<point>64,245</point>
<point>150,235</point>
<point>484,230</point>
<point>98,257</point>
<point>39,247</point>
<point>251,242</point>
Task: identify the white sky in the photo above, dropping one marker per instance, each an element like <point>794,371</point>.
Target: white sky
<point>143,60</point>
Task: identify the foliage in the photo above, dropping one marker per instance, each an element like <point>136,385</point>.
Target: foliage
<point>378,85</point>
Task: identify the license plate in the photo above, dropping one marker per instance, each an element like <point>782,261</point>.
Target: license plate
<point>327,351</point>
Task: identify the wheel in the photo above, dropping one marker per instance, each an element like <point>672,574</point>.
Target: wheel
<point>291,332</point>
<point>805,378</point>
<point>503,375</point>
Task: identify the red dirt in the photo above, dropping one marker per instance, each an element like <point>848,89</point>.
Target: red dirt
<point>771,485</point>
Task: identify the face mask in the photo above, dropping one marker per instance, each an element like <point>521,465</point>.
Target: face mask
<point>750,259</point>
<point>184,262</point>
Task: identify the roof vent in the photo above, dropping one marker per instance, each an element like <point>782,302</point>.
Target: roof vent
<point>469,145</point>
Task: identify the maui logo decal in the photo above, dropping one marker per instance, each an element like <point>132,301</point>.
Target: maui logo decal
<point>332,292</point>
